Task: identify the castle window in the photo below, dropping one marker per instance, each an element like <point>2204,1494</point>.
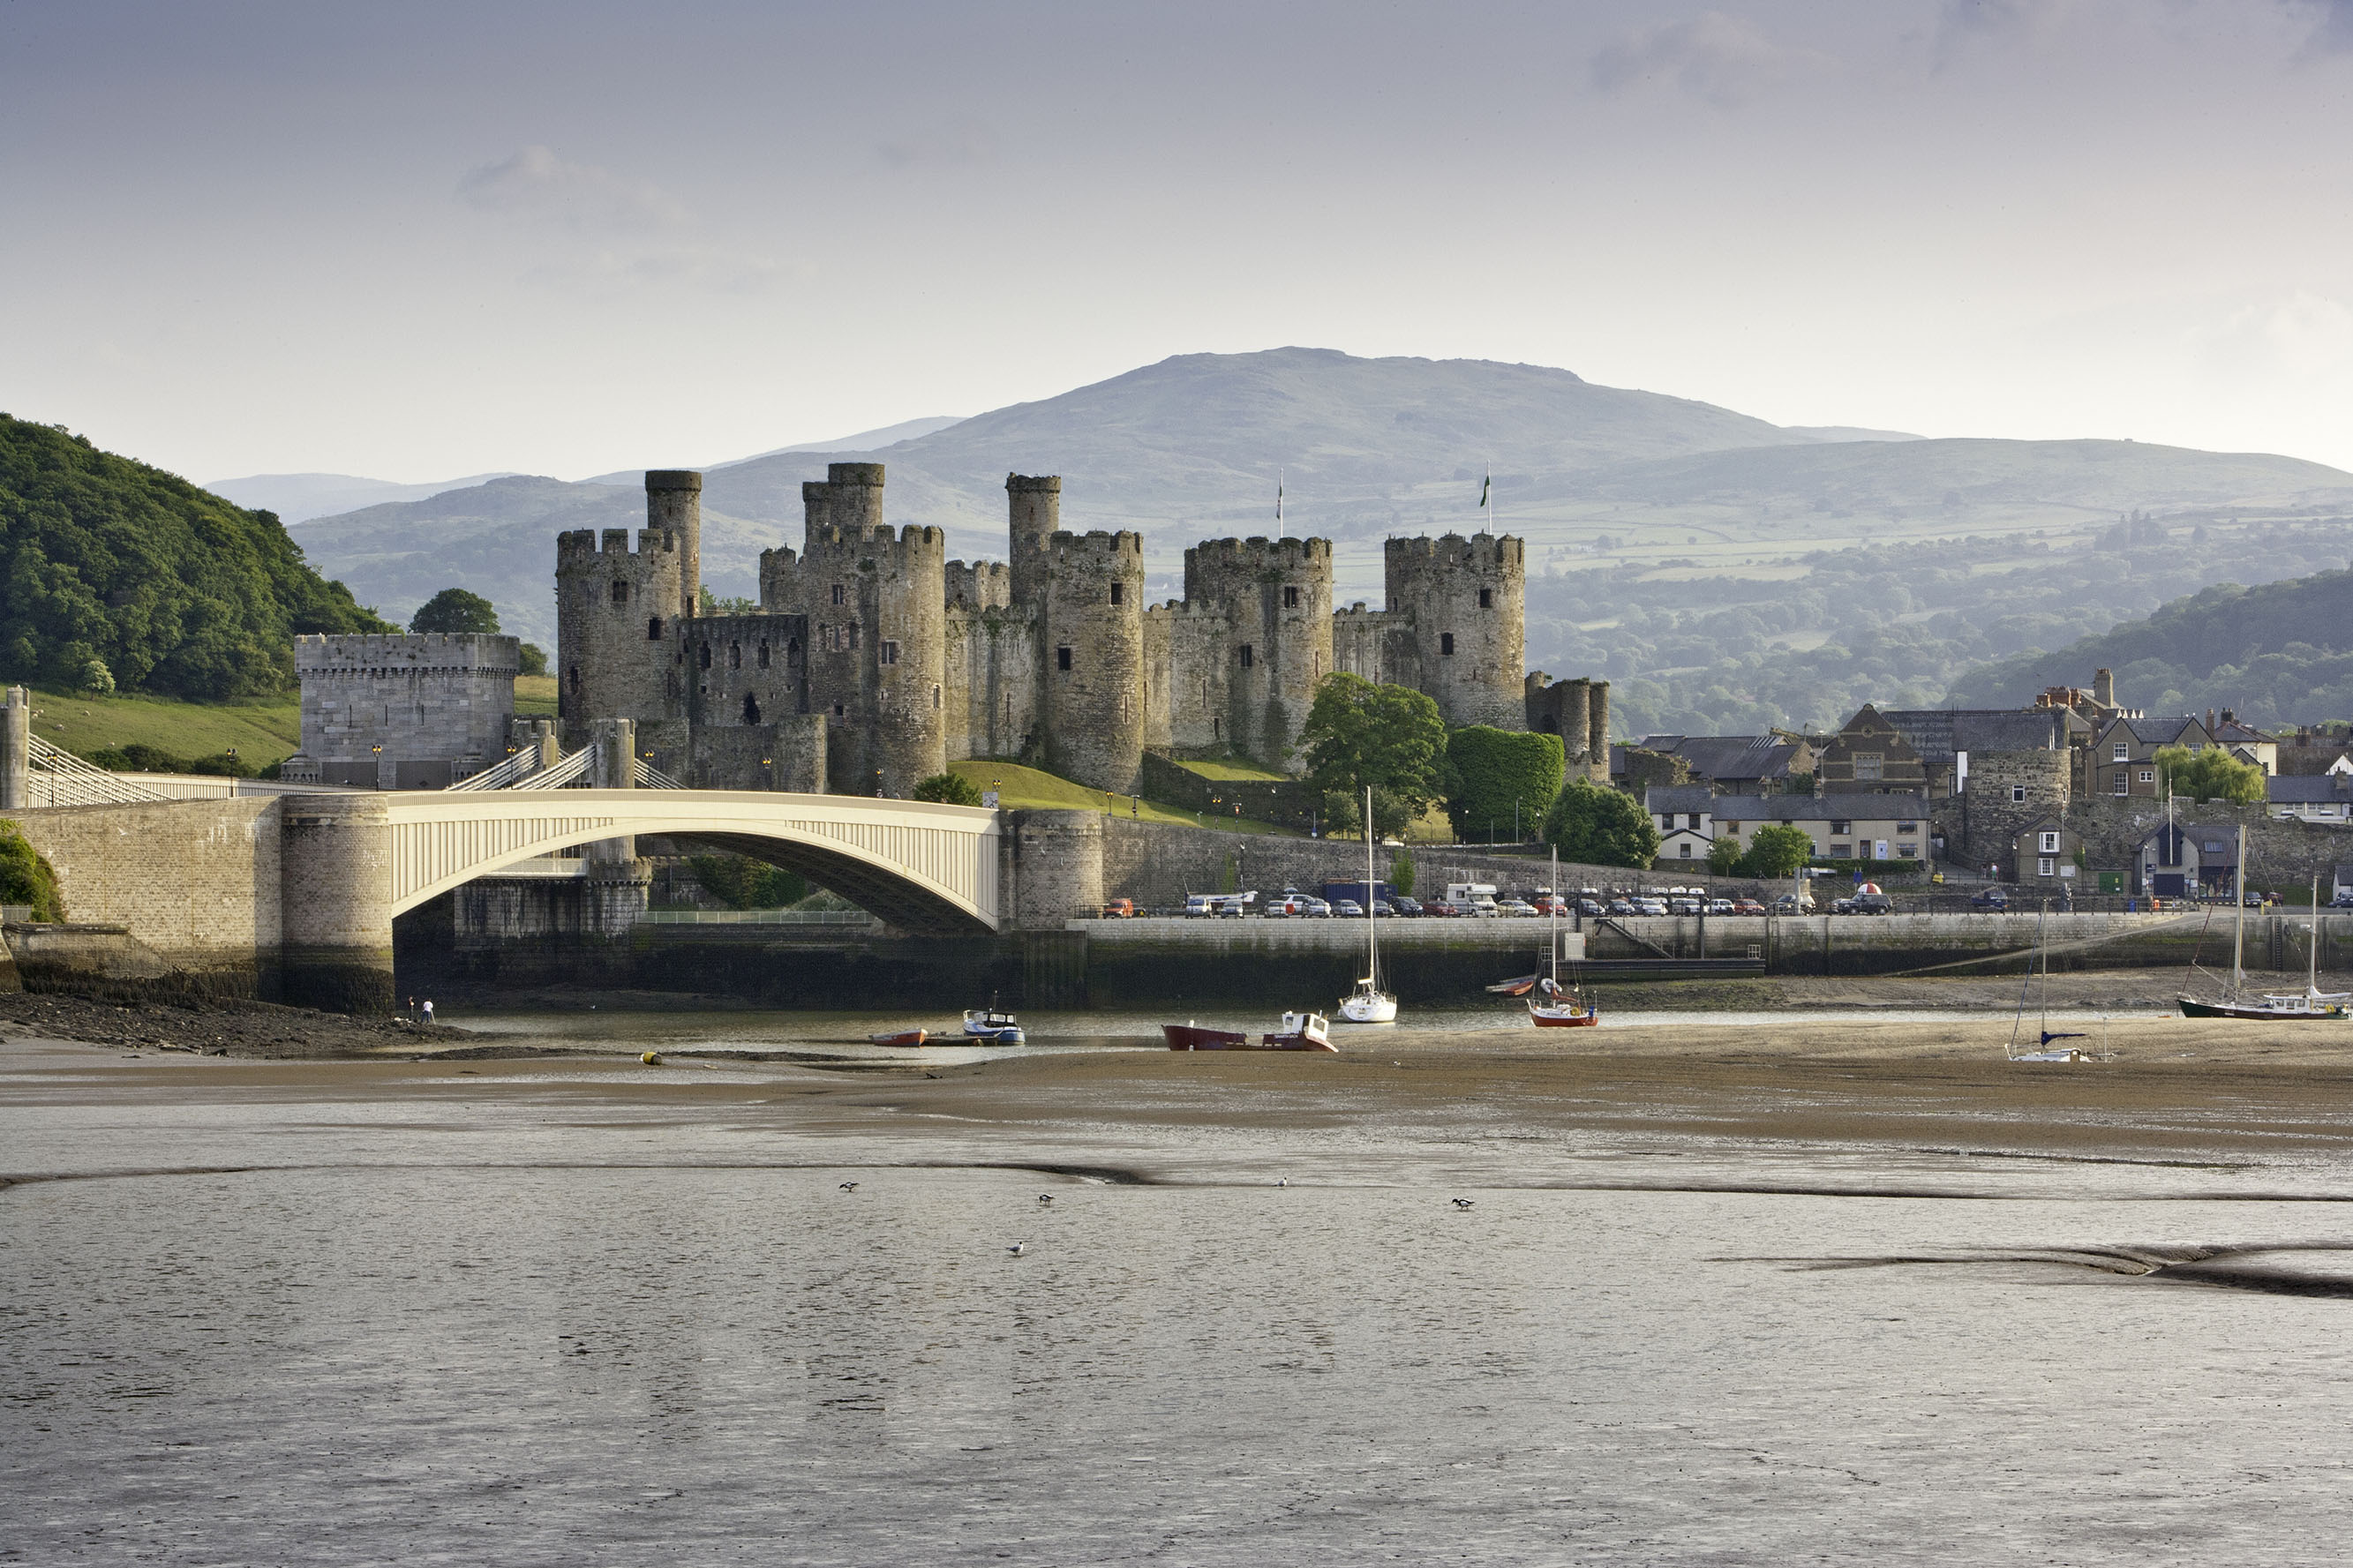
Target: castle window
<point>890,651</point>
<point>935,696</point>
<point>1119,593</point>
<point>653,628</point>
<point>751,709</point>
<point>852,630</point>
<point>620,592</point>
<point>734,656</point>
<point>836,710</point>
<point>1250,655</point>
<point>573,673</point>
<point>1289,597</point>
<point>1486,598</point>
<point>840,594</point>
<point>704,656</point>
<point>1446,642</point>
<point>792,645</point>
<point>1062,657</point>
<point>764,653</point>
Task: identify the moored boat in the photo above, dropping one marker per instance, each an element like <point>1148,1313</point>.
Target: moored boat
<point>1368,1003</point>
<point>2274,1007</point>
<point>992,1027</point>
<point>1301,1032</point>
<point>899,1037</point>
<point>1554,1009</point>
<point>1191,1037</point>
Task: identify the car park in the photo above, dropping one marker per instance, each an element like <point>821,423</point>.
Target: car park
<point>1747,906</point>
<point>1989,899</point>
<point>1346,908</point>
<point>1409,908</point>
<point>1517,908</point>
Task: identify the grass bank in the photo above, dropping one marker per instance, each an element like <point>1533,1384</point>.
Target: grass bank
<point>259,732</point>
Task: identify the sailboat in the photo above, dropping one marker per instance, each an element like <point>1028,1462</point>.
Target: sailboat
<point>1368,1003</point>
<point>1551,1007</point>
<point>2312,1002</point>
<point>2043,1051</point>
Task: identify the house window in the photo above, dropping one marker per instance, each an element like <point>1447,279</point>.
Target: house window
<point>1683,848</point>
<point>2149,776</point>
<point>1842,828</point>
<point>1289,597</point>
<point>1062,657</point>
<point>1119,593</point>
<point>620,592</point>
<point>1446,642</point>
<point>2045,867</point>
<point>1869,765</point>
<point>1666,821</point>
<point>1729,826</point>
<point>1250,655</point>
<point>1907,852</point>
<point>1842,851</point>
<point>890,651</point>
<point>2049,844</point>
<point>840,594</point>
<point>2124,751</point>
<point>2123,782</point>
<point>1907,827</point>
<point>2017,795</point>
<point>1486,598</point>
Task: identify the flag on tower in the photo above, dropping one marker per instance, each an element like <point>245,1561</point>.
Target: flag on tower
<point>1277,503</point>
<point>1485,487</point>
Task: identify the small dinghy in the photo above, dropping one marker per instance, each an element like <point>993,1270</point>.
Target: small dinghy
<point>899,1037</point>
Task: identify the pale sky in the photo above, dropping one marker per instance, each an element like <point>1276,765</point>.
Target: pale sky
<point>419,240</point>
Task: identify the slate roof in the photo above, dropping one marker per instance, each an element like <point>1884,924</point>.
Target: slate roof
<point>1843,808</point>
<point>2163,731</point>
<point>2300,789</point>
<point>1727,756</point>
<point>1662,798</point>
<point>1937,732</point>
<point>2198,835</point>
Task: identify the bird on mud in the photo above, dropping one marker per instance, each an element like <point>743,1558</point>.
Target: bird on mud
<point>1016,1248</point>
<point>1282,1181</point>
<point>850,1186</point>
<point>1462,1203</point>
<point>1045,1200</point>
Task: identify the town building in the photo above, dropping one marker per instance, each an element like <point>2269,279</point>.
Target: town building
<point>1686,818</point>
<point>402,710</point>
<point>1737,764</point>
<point>2124,754</point>
<point>1870,756</point>
<point>1848,826</point>
<point>2324,798</point>
<point>2048,854</point>
<point>2187,860</point>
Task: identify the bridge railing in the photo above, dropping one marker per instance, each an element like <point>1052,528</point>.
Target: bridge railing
<point>758,918</point>
<point>58,777</point>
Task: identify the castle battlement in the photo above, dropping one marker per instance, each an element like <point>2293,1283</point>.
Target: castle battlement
<point>584,544</point>
<point>1478,550</point>
<point>980,585</point>
<point>1258,547</point>
<point>879,537</point>
<point>374,653</point>
<point>1096,542</point>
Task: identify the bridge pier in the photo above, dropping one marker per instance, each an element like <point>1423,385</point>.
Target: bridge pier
<point>335,902</point>
<point>17,750</point>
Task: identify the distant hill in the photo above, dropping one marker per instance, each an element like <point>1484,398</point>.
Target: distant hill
<point>296,498</point>
<point>864,441</point>
<point>2276,654</point>
<point>177,591</point>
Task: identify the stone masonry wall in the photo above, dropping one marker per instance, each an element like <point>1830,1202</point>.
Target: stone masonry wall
<point>423,698</point>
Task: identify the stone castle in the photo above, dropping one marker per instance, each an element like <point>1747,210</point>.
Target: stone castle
<point>874,660</point>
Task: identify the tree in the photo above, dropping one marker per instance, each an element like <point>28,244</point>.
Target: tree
<point>1724,857</point>
<point>1401,874</point>
<point>26,878</point>
<point>531,660</point>
<point>456,610</point>
<point>1389,738</point>
<point>2211,773</point>
<point>1595,826</point>
<point>1501,779</point>
<point>743,883</point>
<point>712,604</point>
<point>1776,851</point>
<point>949,789</point>
<point>96,678</point>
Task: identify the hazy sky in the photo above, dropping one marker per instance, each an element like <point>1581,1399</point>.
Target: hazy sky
<point>418,240</point>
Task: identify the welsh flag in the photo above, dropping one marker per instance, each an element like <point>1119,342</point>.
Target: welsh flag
<point>1485,487</point>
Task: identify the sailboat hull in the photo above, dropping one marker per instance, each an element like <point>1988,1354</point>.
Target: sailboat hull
<point>2192,1008</point>
<point>1378,1007</point>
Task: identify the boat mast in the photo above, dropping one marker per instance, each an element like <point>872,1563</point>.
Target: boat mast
<point>1372,944</point>
<point>1555,911</point>
<point>2312,957</point>
<point>2238,924</point>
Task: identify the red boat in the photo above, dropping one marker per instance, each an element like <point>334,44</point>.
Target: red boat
<point>1193,1037</point>
<point>1300,1032</point>
<point>903,1037</point>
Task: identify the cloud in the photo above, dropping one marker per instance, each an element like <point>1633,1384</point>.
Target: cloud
<point>1960,23</point>
<point>1721,59</point>
<point>709,270</point>
<point>948,142</point>
<point>536,183</point>
<point>2301,336</point>
<point>2332,34</point>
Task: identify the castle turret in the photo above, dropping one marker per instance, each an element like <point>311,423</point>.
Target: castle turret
<point>674,502</point>
<point>1093,653</point>
<point>614,614</point>
<point>1276,598</point>
<point>876,607</point>
<point>1467,598</point>
<point>1033,506</point>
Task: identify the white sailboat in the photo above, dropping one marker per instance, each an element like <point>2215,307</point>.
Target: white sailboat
<point>2312,1002</point>
<point>1368,1003</point>
<point>1552,1007</point>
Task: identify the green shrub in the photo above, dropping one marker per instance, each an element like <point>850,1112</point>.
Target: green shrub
<point>949,789</point>
<point>26,878</point>
<point>2211,773</point>
<point>743,883</point>
<point>1502,780</point>
<point>1595,826</point>
<point>1401,874</point>
<point>531,660</point>
<point>1724,857</point>
<point>456,610</point>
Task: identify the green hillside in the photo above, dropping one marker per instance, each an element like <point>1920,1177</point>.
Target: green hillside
<point>2275,653</point>
<point>260,732</point>
<point>175,591</point>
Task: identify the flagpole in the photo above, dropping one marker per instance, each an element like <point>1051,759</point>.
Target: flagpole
<point>1278,504</point>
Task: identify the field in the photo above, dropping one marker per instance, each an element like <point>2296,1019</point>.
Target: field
<point>259,732</point>
<point>534,697</point>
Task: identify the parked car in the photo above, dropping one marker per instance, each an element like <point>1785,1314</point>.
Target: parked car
<point>1747,906</point>
<point>1445,910</point>
<point>1650,906</point>
<point>1685,906</point>
<point>1407,907</point>
<point>1789,904</point>
<point>1719,906</point>
<point>1120,909</point>
<point>1199,906</point>
<point>1383,909</point>
<point>1622,907</point>
<point>1348,908</point>
<point>1989,899</point>
<point>1517,908</point>
<point>1316,908</point>
<point>1588,906</point>
<point>1873,904</point>
<point>1841,906</point>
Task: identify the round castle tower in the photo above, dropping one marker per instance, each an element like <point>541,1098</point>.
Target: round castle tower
<point>1092,646</point>
<point>876,612</point>
<point>1467,598</point>
<point>1033,504</point>
<point>614,614</point>
<point>674,502</point>
<point>1276,596</point>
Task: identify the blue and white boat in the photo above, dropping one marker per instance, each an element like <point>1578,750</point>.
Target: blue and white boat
<point>992,1027</point>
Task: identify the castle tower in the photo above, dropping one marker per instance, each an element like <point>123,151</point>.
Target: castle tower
<point>1034,513</point>
<point>1276,598</point>
<point>1092,704</point>
<point>674,502</point>
<point>876,608</point>
<point>614,610</point>
<point>1467,601</point>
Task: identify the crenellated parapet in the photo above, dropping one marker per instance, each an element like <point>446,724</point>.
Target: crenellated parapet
<point>979,584</point>
<point>1467,597</point>
<point>1276,598</point>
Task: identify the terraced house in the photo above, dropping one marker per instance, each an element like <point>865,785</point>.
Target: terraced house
<point>2124,755</point>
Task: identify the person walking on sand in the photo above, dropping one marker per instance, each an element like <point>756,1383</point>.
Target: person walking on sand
<point>412,1010</point>
<point>428,1009</point>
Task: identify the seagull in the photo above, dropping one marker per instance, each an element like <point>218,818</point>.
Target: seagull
<point>1462,1203</point>
<point>850,1186</point>
<point>1282,1181</point>
<point>1016,1247</point>
<point>1045,1200</point>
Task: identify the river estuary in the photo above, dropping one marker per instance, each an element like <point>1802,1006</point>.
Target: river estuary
<point>717,1310</point>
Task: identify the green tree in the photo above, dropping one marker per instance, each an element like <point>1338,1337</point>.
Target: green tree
<point>456,610</point>
<point>1502,780</point>
<point>26,878</point>
<point>531,660</point>
<point>1776,850</point>
<point>96,678</point>
<point>1724,857</point>
<point>1595,826</point>
<point>1387,737</point>
<point>1401,874</point>
<point>949,789</point>
<point>2211,773</point>
<point>712,604</point>
<point>743,883</point>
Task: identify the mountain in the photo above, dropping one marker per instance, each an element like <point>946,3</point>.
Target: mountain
<point>864,441</point>
<point>170,589</point>
<point>296,498</point>
<point>2277,654</point>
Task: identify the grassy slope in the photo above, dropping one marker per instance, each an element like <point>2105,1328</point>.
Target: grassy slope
<point>1233,770</point>
<point>1019,787</point>
<point>262,732</point>
<point>535,696</point>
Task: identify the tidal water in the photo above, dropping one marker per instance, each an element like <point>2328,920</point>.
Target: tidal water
<point>460,1318</point>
